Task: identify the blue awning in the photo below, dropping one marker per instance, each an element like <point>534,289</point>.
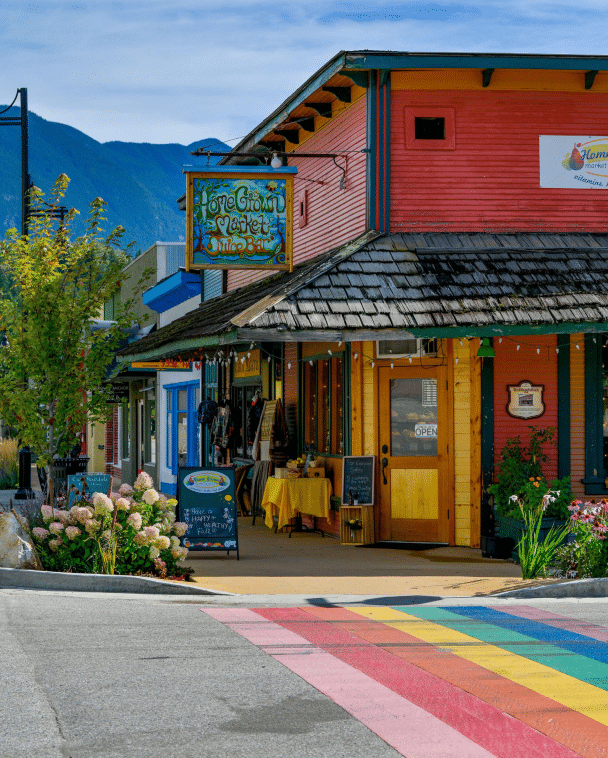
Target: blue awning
<point>172,291</point>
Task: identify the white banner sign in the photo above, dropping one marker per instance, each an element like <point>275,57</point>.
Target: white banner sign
<point>573,162</point>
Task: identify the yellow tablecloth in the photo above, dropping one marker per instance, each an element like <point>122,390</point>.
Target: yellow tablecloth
<point>284,498</point>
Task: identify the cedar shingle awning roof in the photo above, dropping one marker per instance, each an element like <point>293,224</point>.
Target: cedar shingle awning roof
<point>410,285</point>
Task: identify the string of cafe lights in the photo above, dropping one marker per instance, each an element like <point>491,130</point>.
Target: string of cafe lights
<point>222,358</point>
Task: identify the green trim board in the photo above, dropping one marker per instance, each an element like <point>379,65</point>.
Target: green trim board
<point>595,474</point>
<point>563,410</point>
<point>372,59</point>
<point>487,444</point>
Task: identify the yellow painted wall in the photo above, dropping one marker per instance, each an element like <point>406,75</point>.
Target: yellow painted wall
<point>462,441</point>
<point>577,413</point>
<point>370,401</point>
<point>502,79</point>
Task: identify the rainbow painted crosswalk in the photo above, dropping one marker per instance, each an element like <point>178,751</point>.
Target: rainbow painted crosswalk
<point>457,682</point>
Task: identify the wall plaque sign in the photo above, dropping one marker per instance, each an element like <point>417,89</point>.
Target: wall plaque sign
<point>525,400</point>
<point>239,217</point>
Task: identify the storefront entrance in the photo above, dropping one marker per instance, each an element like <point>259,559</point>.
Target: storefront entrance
<point>415,501</point>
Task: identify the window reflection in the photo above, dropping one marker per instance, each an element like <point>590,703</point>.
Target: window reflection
<point>413,417</point>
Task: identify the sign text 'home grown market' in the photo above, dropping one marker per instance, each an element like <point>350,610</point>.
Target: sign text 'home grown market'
<point>239,217</point>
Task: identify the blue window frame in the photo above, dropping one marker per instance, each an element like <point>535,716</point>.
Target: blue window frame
<point>182,425</point>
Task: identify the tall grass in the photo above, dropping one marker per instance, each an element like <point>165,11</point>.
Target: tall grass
<point>9,464</point>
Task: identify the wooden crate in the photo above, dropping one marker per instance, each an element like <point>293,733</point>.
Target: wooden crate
<point>363,536</point>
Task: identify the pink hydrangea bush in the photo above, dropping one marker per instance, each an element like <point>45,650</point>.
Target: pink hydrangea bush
<point>132,531</point>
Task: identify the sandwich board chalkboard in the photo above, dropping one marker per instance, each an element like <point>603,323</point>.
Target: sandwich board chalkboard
<point>359,478</point>
<point>86,484</point>
<point>206,501</point>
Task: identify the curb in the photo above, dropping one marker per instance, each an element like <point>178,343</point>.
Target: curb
<point>577,588</point>
<point>59,582</point>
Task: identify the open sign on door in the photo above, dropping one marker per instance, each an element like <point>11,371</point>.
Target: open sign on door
<point>425,430</point>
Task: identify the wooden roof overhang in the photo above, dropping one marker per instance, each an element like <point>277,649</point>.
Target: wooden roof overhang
<point>407,285</point>
<point>280,130</point>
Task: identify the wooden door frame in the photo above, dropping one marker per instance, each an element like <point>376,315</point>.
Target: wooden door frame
<point>447,362</point>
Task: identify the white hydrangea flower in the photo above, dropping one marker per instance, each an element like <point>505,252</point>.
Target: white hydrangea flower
<point>144,482</point>
<point>154,552</point>
<point>150,497</point>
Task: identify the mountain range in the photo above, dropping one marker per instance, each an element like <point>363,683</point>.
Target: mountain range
<point>140,182</point>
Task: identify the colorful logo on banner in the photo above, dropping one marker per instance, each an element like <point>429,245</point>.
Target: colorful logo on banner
<point>207,482</point>
<point>573,162</point>
<point>239,220</point>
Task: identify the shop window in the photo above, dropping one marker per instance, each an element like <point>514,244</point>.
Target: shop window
<point>243,421</point>
<point>596,414</point>
<point>182,425</point>
<point>323,411</point>
<point>430,129</point>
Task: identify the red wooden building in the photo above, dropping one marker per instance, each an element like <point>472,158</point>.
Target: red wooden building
<point>440,200</point>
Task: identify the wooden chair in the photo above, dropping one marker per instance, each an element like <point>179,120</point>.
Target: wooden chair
<point>240,476</point>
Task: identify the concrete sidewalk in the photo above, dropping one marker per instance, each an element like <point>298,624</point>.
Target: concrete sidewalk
<point>310,565</point>
<point>275,564</point>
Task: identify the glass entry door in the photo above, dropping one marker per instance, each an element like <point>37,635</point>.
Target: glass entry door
<point>414,455</point>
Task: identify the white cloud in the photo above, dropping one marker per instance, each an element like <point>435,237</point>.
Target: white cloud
<point>158,72</point>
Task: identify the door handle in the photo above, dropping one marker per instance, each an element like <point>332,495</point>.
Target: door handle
<point>384,465</point>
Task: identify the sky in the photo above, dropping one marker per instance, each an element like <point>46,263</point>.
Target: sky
<point>181,71</point>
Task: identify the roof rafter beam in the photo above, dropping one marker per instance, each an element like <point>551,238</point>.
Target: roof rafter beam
<point>323,109</point>
<point>486,77</point>
<point>340,93</point>
<point>291,135</point>
<point>590,78</point>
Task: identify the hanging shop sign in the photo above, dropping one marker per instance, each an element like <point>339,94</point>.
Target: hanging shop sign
<point>206,502</point>
<point>119,392</point>
<point>525,400</point>
<point>576,162</point>
<point>239,217</point>
<point>247,364</point>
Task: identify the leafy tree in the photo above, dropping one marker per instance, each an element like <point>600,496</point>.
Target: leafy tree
<point>54,363</point>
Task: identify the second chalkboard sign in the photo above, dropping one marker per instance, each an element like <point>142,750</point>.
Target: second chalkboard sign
<point>358,479</point>
<point>207,503</point>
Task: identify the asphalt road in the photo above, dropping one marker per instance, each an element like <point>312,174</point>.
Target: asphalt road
<point>114,676</point>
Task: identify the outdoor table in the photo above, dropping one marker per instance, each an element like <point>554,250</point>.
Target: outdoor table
<point>285,498</point>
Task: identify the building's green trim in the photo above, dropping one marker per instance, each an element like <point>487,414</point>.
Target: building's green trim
<point>563,409</point>
<point>383,60</point>
<point>487,443</point>
<point>595,475</point>
<point>495,330</point>
<point>381,143</point>
<point>172,349</point>
<point>387,188</point>
<point>372,146</point>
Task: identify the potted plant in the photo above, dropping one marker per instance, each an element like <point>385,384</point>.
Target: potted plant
<point>520,479</point>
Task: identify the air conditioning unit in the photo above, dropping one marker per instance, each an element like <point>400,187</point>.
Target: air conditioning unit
<point>414,348</point>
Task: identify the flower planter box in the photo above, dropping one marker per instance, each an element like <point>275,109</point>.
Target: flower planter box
<point>514,528</point>
<point>363,535</point>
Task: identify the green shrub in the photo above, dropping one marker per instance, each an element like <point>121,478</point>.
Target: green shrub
<point>132,531</point>
<point>520,472</point>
